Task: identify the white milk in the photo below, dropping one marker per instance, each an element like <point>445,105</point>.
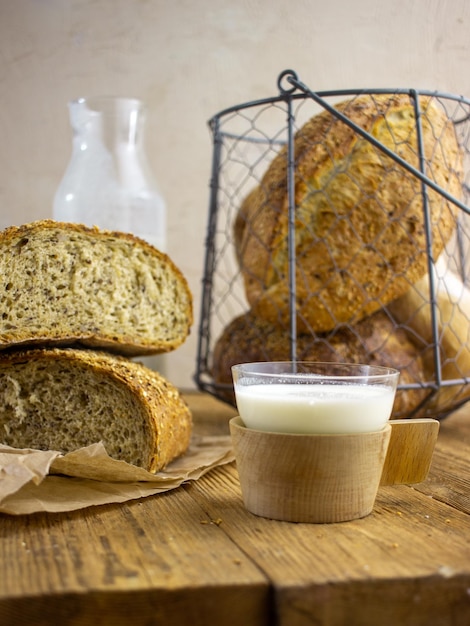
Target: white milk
<point>315,408</point>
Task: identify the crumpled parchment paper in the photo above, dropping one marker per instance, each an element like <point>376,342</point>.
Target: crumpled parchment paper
<point>32,480</point>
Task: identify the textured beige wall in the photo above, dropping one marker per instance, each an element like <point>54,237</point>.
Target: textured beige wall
<point>187,60</point>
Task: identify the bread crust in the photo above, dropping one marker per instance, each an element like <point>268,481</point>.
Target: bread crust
<point>162,412</point>
<point>129,280</point>
<point>360,231</point>
<point>452,313</point>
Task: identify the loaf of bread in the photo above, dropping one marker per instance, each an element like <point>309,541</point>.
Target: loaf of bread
<point>63,399</point>
<point>414,311</point>
<point>374,341</point>
<point>360,228</point>
<point>68,284</point>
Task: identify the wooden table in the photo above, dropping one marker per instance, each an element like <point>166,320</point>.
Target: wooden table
<point>195,556</point>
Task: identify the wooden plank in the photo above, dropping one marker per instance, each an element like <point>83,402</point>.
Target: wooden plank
<point>211,416</point>
<point>196,556</point>
<point>158,560</point>
<point>457,425</point>
<point>449,475</point>
<point>449,478</point>
<point>407,563</point>
<point>426,602</point>
<point>415,555</point>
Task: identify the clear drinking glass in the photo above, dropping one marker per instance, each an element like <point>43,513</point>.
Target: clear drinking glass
<point>308,397</point>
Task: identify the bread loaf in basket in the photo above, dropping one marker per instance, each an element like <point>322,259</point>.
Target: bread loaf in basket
<point>360,228</point>
<point>450,306</point>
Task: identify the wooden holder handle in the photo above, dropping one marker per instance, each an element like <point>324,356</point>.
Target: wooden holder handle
<point>410,451</point>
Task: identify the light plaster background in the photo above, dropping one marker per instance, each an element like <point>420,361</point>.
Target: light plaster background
<point>187,60</point>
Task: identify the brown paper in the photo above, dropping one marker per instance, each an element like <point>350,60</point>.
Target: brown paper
<point>32,481</point>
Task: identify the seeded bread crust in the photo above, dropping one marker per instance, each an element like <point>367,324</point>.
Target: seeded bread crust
<point>66,284</point>
<point>64,399</point>
<point>360,227</point>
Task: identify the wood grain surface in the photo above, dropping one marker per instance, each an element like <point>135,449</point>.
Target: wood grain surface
<point>410,451</point>
<point>196,556</point>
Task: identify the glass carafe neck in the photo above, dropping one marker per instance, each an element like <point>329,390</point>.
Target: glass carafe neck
<point>112,120</point>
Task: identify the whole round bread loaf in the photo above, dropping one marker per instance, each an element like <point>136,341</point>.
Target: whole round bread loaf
<point>360,228</point>
<point>374,341</point>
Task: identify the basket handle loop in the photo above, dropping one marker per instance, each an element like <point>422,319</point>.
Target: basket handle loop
<point>287,75</point>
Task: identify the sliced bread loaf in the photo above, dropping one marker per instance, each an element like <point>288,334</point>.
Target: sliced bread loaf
<point>66,283</point>
<point>64,399</point>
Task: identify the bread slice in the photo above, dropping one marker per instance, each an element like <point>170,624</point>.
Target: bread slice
<point>64,399</point>
<point>65,283</point>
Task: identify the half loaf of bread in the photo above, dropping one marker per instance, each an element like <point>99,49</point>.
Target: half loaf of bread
<point>65,399</point>
<point>360,228</point>
<point>66,283</point>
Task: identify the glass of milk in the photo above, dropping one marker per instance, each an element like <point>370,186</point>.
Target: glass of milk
<point>314,398</point>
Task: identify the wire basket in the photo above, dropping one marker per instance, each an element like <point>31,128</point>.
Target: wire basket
<point>338,231</point>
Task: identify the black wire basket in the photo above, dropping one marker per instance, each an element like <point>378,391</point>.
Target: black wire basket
<point>338,231</point>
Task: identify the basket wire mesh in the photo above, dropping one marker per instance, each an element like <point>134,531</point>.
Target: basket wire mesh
<point>432,336</point>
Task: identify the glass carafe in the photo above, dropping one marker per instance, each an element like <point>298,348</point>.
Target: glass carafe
<point>108,182</point>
